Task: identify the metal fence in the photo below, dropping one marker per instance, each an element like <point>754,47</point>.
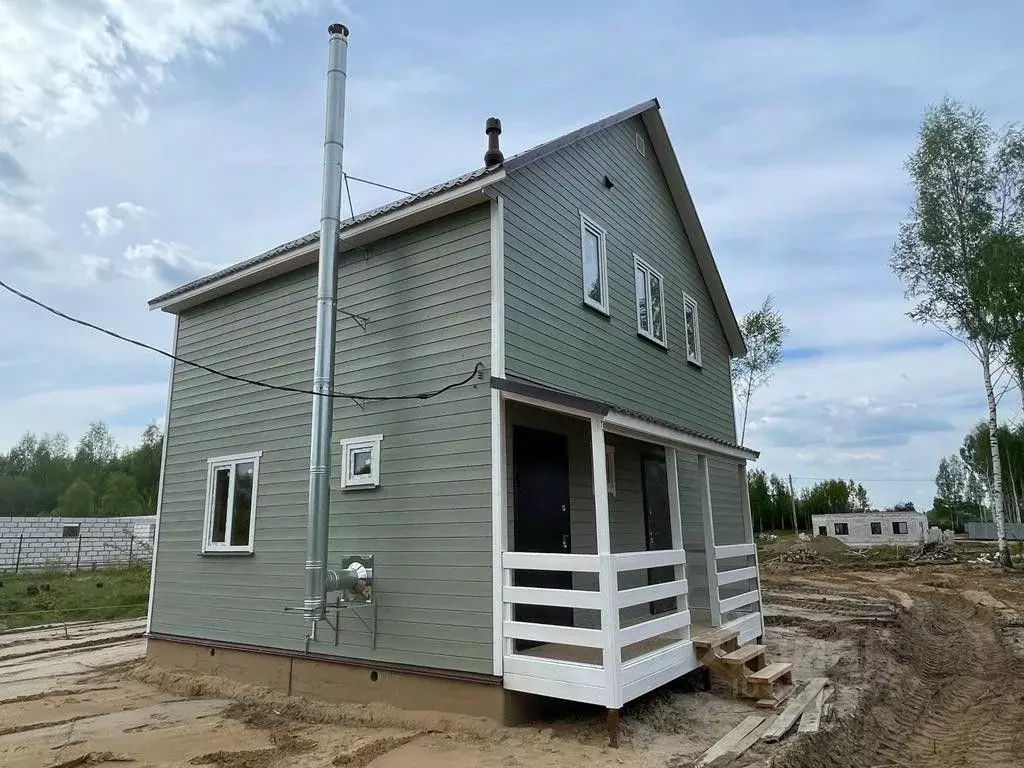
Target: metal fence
<point>73,553</point>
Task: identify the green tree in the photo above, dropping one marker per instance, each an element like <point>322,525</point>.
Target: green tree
<point>829,497</point>
<point>79,500</point>
<point>763,331</point>
<point>782,502</point>
<point>120,496</point>
<point>958,254</point>
<point>760,499</point>
<point>18,496</point>
<point>142,463</point>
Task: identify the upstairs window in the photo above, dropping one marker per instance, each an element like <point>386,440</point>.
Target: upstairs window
<point>842,529</point>
<point>641,145</point>
<point>595,265</point>
<point>650,301</point>
<point>691,320</point>
<point>231,503</point>
<point>899,527</point>
<point>876,529</point>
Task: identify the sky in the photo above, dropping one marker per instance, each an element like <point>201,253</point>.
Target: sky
<point>146,142</point>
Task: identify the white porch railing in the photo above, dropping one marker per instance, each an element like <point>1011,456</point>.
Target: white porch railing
<point>585,664</point>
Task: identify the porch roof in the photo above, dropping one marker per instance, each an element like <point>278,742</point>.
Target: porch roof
<point>622,420</point>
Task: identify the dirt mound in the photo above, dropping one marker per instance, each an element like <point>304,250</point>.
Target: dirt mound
<point>826,545</point>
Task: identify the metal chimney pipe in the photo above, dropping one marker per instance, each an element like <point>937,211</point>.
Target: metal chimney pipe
<point>314,607</point>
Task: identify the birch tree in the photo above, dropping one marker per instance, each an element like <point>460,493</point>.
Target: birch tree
<point>763,331</point>
<point>958,252</point>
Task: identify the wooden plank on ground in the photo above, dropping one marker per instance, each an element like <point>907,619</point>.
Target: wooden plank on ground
<point>749,740</point>
<point>810,720</point>
<point>796,708</point>
<point>727,743</point>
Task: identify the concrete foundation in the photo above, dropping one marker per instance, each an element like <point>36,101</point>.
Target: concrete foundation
<point>342,682</point>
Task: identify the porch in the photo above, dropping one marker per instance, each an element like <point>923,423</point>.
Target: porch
<point>618,542</point>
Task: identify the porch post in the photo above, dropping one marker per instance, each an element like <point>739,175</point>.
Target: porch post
<point>676,523</point>
<point>748,528</point>
<point>501,578</point>
<point>714,597</point>
<point>608,580</point>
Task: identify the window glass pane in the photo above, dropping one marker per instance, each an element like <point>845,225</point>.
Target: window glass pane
<point>221,481</point>
<point>592,282</point>
<point>657,318</point>
<point>641,300</point>
<point>362,462</point>
<point>241,519</point>
<point>691,330</point>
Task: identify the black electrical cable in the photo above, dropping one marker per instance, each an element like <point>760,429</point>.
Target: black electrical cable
<point>477,369</point>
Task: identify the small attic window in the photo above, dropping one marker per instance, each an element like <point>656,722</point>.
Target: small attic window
<point>641,145</point>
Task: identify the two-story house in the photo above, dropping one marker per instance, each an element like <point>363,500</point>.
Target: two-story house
<point>564,523</point>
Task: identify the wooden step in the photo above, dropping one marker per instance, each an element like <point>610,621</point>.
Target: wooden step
<point>715,639</point>
<point>771,673</point>
<point>745,654</point>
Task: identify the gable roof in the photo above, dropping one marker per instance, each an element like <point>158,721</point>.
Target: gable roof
<point>457,194</point>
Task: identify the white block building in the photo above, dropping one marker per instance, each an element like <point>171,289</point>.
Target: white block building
<point>874,529</point>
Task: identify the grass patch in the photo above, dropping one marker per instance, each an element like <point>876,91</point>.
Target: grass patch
<point>46,597</point>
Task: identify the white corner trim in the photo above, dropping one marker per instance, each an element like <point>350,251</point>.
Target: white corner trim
<point>160,487</point>
<point>499,531</point>
<point>498,286</point>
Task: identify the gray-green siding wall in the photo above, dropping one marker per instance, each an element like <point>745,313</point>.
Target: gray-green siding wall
<point>426,295</point>
<point>552,338</point>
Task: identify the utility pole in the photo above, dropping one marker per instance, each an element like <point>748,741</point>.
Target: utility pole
<point>792,502</point>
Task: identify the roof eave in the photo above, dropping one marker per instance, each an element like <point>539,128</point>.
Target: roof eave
<point>428,209</point>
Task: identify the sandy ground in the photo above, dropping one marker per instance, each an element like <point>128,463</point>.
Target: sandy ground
<point>926,665</point>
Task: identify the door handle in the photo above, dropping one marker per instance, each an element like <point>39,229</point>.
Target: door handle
<point>565,542</point>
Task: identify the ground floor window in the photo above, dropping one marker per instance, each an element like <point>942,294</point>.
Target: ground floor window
<point>842,529</point>
<point>876,529</point>
<point>360,461</point>
<point>899,527</point>
<point>231,503</point>
<point>822,530</point>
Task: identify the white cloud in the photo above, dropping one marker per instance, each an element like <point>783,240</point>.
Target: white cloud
<point>106,222</point>
<point>65,61</point>
<point>167,263</point>
<point>103,221</point>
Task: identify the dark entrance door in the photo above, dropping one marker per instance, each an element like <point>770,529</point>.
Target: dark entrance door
<point>540,466</point>
<point>656,522</point>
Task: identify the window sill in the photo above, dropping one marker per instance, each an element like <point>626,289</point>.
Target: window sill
<point>695,363</point>
<point>228,553</point>
<point>605,313</point>
<point>660,344</point>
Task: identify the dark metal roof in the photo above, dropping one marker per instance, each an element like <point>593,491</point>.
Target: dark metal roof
<point>314,237</point>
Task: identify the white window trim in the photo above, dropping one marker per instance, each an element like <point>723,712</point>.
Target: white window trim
<point>641,145</point>
<point>640,264</point>
<point>690,301</point>
<point>587,224</point>
<point>350,444</point>
<point>609,455</point>
<point>211,466</point>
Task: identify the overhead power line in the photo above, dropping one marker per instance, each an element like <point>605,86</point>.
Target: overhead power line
<point>875,479</point>
<point>477,369</point>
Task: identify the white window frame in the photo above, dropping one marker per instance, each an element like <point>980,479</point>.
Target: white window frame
<point>689,301</point>
<point>587,224</point>
<point>639,265</point>
<point>609,463</point>
<point>349,446</point>
<point>212,465</point>
<point>641,145</point>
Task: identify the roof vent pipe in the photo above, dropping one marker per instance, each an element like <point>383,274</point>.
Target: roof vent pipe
<point>493,156</point>
<point>314,606</point>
